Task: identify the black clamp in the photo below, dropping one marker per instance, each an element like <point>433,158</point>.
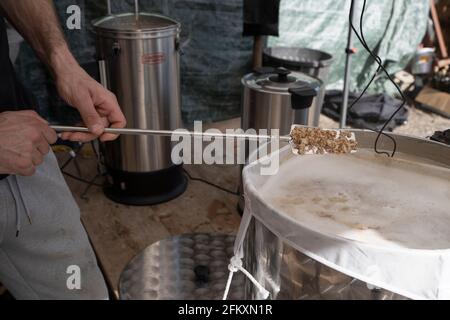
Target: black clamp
<point>442,136</point>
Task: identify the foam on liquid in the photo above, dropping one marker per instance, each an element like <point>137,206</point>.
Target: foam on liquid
<point>366,197</point>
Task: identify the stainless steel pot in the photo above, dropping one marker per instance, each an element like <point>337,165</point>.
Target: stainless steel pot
<point>290,274</point>
<point>310,61</point>
<point>141,59</point>
<point>139,62</point>
<point>422,63</point>
<point>278,98</point>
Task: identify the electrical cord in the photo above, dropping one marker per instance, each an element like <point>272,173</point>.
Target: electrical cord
<point>379,62</point>
<point>65,164</point>
<point>72,154</point>
<point>209,183</point>
<point>380,66</point>
<point>81,179</point>
<point>377,58</point>
<point>184,170</point>
<point>68,161</point>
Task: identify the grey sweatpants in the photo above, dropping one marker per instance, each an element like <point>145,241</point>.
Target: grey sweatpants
<point>44,249</point>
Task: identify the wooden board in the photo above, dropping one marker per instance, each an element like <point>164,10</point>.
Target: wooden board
<point>435,101</point>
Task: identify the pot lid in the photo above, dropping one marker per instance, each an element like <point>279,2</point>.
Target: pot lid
<point>130,22</point>
<point>278,80</point>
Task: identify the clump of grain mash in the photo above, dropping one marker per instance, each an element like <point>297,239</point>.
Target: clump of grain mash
<point>321,141</point>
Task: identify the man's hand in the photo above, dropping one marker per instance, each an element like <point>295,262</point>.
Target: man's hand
<point>98,106</point>
<point>37,21</point>
<point>24,141</point>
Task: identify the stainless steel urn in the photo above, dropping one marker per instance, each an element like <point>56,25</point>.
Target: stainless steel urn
<point>278,98</point>
<point>139,62</point>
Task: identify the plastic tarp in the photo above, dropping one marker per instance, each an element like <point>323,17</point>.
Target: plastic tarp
<point>215,54</point>
<point>393,29</point>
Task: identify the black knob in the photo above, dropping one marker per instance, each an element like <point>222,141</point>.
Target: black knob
<point>282,74</point>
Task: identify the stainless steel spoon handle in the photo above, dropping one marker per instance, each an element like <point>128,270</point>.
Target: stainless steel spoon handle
<point>172,132</point>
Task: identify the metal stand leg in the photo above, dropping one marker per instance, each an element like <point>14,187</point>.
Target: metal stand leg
<point>349,51</point>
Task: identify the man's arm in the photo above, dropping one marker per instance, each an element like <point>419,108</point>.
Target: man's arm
<point>36,20</point>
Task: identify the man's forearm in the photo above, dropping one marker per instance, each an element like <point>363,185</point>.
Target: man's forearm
<point>36,20</point>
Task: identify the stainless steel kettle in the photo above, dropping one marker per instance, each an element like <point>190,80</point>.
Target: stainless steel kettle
<point>276,98</point>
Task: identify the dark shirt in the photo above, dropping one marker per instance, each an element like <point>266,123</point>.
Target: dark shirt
<point>13,96</point>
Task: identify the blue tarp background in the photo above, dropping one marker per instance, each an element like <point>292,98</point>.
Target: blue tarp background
<point>217,56</point>
<point>392,28</point>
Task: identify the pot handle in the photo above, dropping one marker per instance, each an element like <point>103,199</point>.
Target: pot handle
<point>102,72</point>
<point>180,44</point>
<point>302,97</point>
<point>108,7</point>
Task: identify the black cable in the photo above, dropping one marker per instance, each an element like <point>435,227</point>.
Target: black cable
<point>81,179</point>
<point>365,89</point>
<point>75,150</point>
<point>66,163</point>
<point>377,60</point>
<point>99,160</point>
<point>210,183</point>
<point>380,66</point>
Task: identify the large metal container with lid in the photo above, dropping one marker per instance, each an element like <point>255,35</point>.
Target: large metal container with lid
<point>139,62</point>
<point>313,62</point>
<point>359,226</point>
<point>277,98</point>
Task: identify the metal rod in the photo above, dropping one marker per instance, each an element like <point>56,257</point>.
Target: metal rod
<point>102,71</point>
<point>172,132</point>
<point>108,7</point>
<point>136,7</point>
<point>258,47</point>
<point>347,76</point>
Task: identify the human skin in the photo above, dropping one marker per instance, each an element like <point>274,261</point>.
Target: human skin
<point>37,22</point>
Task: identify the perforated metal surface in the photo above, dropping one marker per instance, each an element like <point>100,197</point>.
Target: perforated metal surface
<point>189,266</point>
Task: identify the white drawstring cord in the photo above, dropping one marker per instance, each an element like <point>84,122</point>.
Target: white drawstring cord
<point>236,261</point>
<point>235,266</point>
<point>16,192</point>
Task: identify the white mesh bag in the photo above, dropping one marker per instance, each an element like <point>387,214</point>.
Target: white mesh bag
<point>380,220</point>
